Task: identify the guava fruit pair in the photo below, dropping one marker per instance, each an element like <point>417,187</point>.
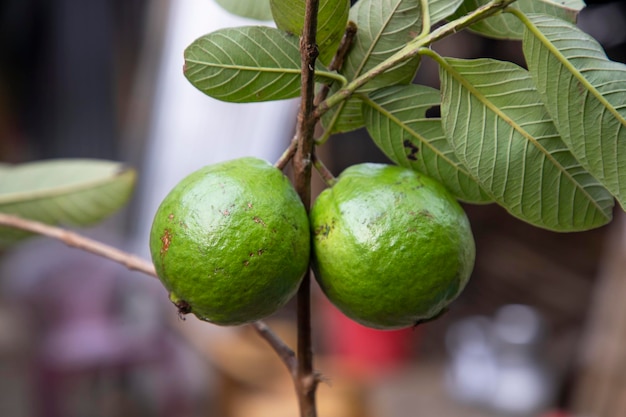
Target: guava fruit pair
<point>389,246</point>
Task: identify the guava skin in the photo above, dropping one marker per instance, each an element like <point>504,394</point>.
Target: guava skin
<point>391,247</point>
<point>231,242</point>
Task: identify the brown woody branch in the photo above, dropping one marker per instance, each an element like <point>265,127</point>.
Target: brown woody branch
<point>306,380</point>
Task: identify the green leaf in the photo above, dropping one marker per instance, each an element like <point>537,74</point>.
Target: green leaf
<point>252,9</point>
<point>247,64</point>
<point>500,130</point>
<point>395,118</point>
<point>506,26</point>
<point>76,192</point>
<point>441,9</point>
<point>384,27</point>
<point>585,93</point>
<point>332,18</point>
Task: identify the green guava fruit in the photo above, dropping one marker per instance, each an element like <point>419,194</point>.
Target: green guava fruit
<point>391,247</point>
<point>231,242</point>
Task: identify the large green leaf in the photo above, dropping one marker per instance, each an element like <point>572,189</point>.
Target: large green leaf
<point>505,26</point>
<point>384,27</point>
<point>585,93</point>
<point>332,18</point>
<point>501,131</point>
<point>252,9</point>
<point>395,118</point>
<point>75,192</point>
<point>247,64</point>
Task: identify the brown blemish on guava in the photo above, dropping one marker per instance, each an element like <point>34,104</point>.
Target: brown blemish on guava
<point>250,205</point>
<point>258,253</point>
<point>427,213</point>
<point>225,212</point>
<point>258,220</point>
<point>166,241</point>
<point>246,263</point>
<point>323,229</point>
<point>170,217</point>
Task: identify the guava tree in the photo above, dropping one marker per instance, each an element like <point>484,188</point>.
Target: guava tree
<point>547,141</point>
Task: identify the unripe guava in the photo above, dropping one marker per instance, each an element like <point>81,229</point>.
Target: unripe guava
<point>391,246</point>
<point>231,242</point>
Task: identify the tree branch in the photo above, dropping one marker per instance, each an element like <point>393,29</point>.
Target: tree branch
<point>284,352</point>
<point>77,241</point>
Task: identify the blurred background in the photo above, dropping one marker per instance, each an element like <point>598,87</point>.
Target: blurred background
<point>539,331</point>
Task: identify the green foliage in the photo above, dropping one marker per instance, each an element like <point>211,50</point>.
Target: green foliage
<point>506,26</point>
<point>545,143</point>
<point>251,63</point>
<point>383,29</point>
<point>585,94</point>
<point>332,19</point>
<point>253,9</point>
<point>75,192</point>
<point>395,118</point>
<point>502,133</point>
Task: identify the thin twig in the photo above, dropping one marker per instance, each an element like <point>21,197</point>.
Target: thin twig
<point>134,263</point>
<point>324,172</point>
<point>337,61</point>
<point>287,155</point>
<point>285,353</point>
<point>77,241</point>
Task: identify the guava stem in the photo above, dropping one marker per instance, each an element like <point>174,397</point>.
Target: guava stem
<point>287,154</point>
<point>284,352</point>
<point>306,380</point>
<point>324,172</point>
<point>337,61</point>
